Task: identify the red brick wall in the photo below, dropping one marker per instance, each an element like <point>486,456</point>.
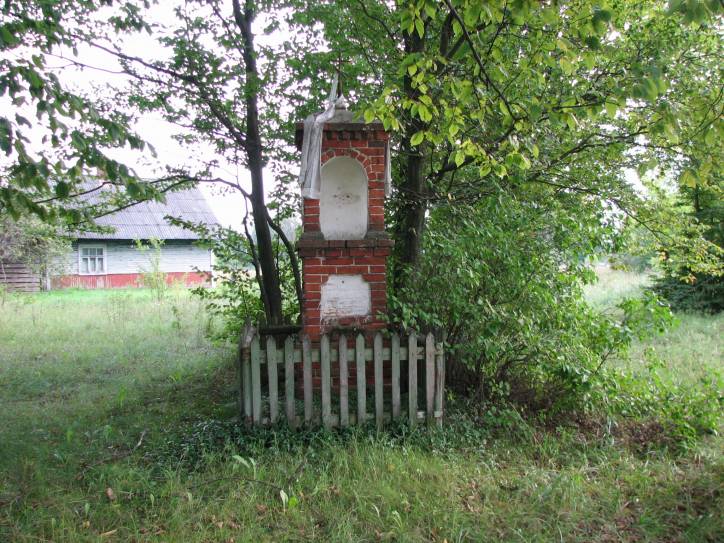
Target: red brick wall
<point>321,258</point>
<point>366,257</point>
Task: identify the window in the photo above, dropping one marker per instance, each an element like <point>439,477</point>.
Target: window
<point>92,260</point>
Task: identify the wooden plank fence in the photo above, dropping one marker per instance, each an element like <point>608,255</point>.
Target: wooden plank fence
<point>17,277</point>
<point>269,368</point>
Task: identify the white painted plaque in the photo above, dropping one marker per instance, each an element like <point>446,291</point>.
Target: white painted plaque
<point>345,296</point>
<point>343,199</point>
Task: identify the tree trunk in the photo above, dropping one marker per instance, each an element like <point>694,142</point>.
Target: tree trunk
<point>410,219</point>
<point>269,274</point>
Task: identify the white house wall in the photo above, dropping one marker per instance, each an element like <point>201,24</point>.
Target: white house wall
<point>124,257</point>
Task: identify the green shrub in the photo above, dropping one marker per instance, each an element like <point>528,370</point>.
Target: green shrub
<point>152,277</point>
<point>504,280</point>
<point>703,293</point>
<point>683,412</point>
<point>235,298</point>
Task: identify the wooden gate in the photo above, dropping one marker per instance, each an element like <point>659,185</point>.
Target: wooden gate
<point>310,384</point>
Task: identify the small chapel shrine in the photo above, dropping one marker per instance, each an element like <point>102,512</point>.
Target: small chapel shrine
<point>344,246</point>
<point>346,353</point>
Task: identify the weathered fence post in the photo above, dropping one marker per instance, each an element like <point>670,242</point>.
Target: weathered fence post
<point>361,379</point>
<point>271,367</point>
<point>395,380</point>
<point>326,382</point>
<point>307,369</point>
<point>343,382</point>
<point>412,378</point>
<point>255,380</point>
<point>289,381</point>
<point>245,338</point>
<point>379,382</point>
<point>430,377</point>
<point>439,382</point>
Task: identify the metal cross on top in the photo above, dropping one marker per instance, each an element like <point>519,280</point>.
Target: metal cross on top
<point>338,69</point>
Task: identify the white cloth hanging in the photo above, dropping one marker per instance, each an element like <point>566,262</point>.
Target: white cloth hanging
<point>388,169</point>
<point>310,172</point>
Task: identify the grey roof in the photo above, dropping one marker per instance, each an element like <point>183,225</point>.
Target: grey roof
<point>145,220</point>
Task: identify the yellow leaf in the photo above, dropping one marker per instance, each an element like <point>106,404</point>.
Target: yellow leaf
<point>688,178</point>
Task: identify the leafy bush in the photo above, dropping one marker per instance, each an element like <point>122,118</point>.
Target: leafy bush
<point>700,292</point>
<point>152,277</point>
<point>504,280</point>
<point>34,243</point>
<point>682,412</point>
<point>235,298</point>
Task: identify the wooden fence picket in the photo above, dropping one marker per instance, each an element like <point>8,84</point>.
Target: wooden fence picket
<point>395,381</point>
<point>308,386</point>
<point>271,367</point>
<point>289,380</point>
<point>255,381</point>
<point>343,382</point>
<point>326,382</point>
<point>379,382</point>
<point>329,360</point>
<point>246,382</point>
<point>430,376</point>
<point>439,383</point>
<point>361,379</point>
<point>412,378</point>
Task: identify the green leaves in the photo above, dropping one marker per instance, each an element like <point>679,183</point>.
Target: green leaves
<point>420,27</point>
<point>459,157</point>
<point>517,160</point>
<point>650,85</point>
<point>611,108</point>
<point>600,20</point>
<point>7,37</point>
<point>567,66</point>
<point>6,136</point>
<point>62,189</point>
<point>696,11</point>
<point>688,178</point>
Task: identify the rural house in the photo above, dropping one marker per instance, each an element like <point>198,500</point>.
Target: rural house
<point>113,259</point>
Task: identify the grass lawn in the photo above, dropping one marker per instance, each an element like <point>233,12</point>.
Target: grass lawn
<point>114,410</point>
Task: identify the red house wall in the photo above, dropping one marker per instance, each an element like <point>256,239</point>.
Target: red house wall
<point>126,280</point>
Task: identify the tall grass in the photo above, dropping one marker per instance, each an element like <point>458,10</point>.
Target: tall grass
<point>692,350</point>
<point>613,285</point>
<point>116,424</point>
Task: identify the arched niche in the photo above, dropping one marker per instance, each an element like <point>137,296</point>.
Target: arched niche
<point>343,199</point>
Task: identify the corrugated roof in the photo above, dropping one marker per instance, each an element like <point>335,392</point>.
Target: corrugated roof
<point>145,220</point>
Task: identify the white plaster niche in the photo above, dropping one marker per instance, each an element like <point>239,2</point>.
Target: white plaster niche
<point>343,199</point>
<point>345,296</point>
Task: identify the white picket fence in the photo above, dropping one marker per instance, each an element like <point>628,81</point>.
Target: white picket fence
<point>289,369</point>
